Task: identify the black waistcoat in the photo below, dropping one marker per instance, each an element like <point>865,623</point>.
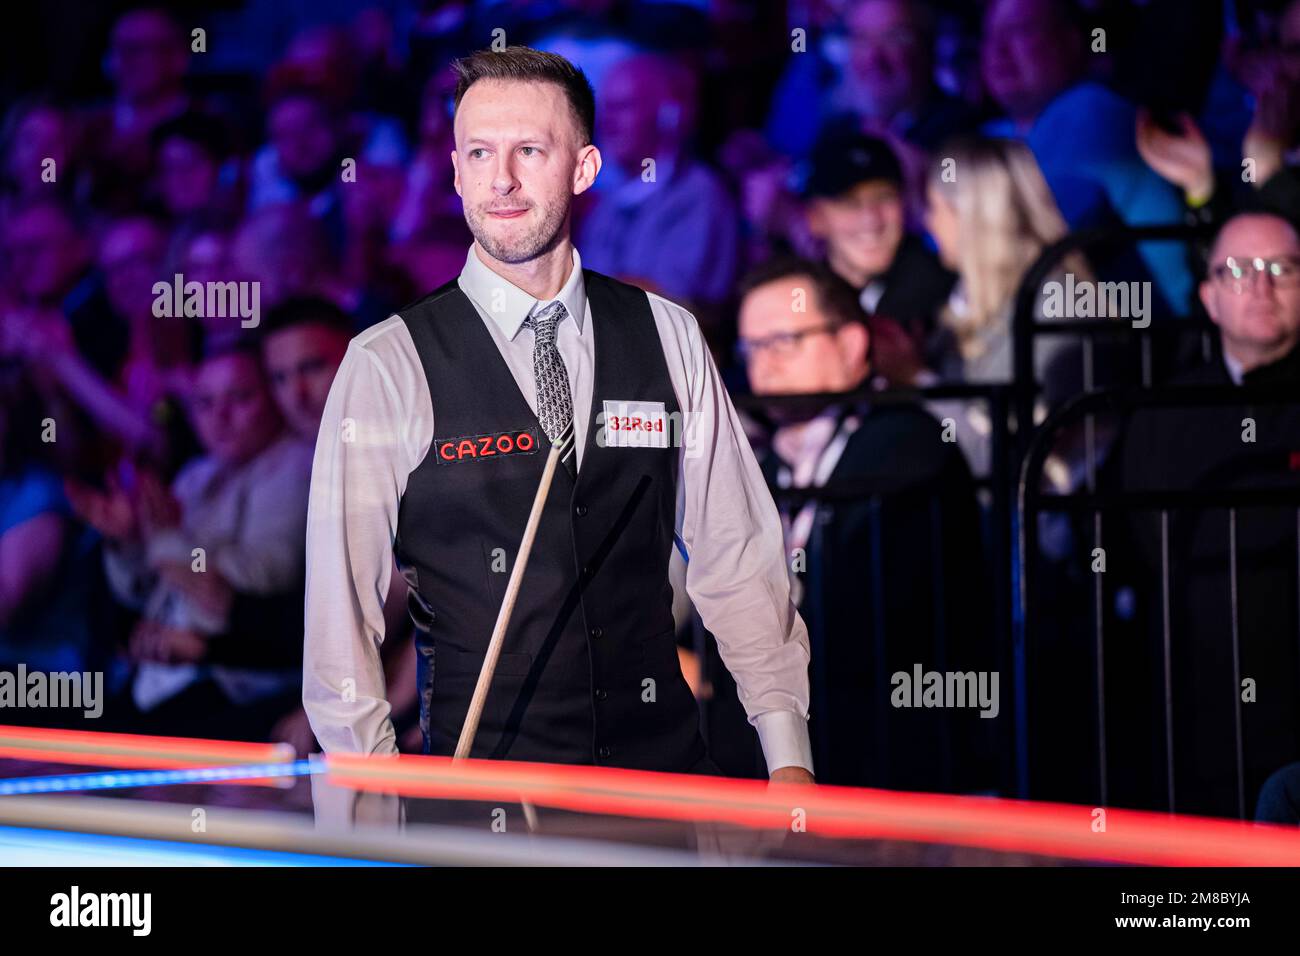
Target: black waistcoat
<point>588,672</point>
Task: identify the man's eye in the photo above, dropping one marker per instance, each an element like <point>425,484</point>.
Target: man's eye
<point>528,150</point>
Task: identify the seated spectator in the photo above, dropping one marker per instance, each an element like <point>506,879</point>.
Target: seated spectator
<point>991,222</point>
<point>147,57</point>
<point>138,405</point>
<point>428,197</point>
<point>854,205</point>
<point>233,521</point>
<point>1268,159</point>
<point>34,132</point>
<point>200,250</point>
<point>1081,133</point>
<point>47,279</point>
<point>1279,798</point>
<point>873,73</point>
<point>285,250</point>
<point>303,343</point>
<point>891,78</point>
<point>190,155</point>
<point>802,331</point>
<point>674,225</point>
<point>302,161</point>
<point>1252,294</point>
<point>42,609</point>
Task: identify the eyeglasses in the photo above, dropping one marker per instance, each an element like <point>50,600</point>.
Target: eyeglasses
<point>783,344</point>
<point>1239,273</point>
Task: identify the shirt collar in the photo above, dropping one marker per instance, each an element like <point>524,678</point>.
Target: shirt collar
<point>1236,371</point>
<point>512,304</point>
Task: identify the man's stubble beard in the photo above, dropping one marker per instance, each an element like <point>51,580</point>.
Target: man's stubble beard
<point>548,234</point>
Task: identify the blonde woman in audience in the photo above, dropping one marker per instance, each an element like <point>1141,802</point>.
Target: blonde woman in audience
<point>991,214</point>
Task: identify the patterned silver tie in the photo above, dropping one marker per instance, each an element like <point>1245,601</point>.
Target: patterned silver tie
<point>554,401</point>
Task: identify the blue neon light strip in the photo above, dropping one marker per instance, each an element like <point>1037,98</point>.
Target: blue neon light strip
<point>119,780</point>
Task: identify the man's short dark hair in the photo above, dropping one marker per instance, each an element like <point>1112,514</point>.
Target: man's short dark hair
<point>835,296</point>
<point>306,310</point>
<point>207,132</point>
<point>232,344</point>
<point>526,64</point>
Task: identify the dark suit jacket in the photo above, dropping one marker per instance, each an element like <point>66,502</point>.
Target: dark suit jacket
<point>888,585</point>
<point>1203,448</point>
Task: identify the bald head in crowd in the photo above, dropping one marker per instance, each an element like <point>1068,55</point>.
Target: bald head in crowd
<point>1252,289</point>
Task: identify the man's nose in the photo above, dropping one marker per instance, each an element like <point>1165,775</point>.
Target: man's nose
<point>503,179</point>
<point>765,361</point>
<point>1260,283</point>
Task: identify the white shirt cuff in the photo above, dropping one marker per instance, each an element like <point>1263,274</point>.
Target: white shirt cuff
<point>784,736</point>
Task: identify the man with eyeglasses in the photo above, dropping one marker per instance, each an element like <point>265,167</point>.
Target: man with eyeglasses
<point>802,330</point>
<point>1252,294</point>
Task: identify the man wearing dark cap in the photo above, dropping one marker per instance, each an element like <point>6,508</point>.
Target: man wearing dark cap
<point>854,204</point>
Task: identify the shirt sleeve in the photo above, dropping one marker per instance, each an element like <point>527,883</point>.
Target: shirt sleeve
<point>735,572</point>
<point>358,476</point>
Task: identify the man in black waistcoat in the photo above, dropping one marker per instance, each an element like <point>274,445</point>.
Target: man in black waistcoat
<point>432,446</point>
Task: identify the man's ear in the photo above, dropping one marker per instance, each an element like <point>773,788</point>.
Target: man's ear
<point>855,342</point>
<point>455,174</point>
<point>587,168</point>
<point>815,216</point>
<point>1208,299</point>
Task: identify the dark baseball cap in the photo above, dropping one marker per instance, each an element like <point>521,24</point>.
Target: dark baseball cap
<point>844,159</point>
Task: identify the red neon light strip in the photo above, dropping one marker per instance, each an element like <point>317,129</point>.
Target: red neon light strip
<point>1048,829</point>
<point>132,751</point>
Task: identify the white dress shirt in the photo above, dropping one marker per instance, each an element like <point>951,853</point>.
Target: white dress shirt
<point>377,427</point>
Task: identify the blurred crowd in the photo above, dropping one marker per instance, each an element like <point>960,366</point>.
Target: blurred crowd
<point>908,160</point>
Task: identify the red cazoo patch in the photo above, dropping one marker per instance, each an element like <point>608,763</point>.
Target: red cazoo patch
<point>516,441</point>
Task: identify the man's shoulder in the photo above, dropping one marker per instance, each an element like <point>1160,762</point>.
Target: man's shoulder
<point>388,342</point>
<point>900,436</point>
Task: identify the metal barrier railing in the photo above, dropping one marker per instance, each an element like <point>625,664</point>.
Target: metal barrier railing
<point>1033,501</point>
<point>881,503</point>
<point>1026,327</point>
<point>1019,454</point>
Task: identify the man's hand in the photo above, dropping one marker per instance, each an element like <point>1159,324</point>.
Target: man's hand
<point>156,505</point>
<point>152,641</point>
<point>791,775</point>
<point>1272,131</point>
<point>209,590</point>
<point>111,512</point>
<point>1182,158</point>
<point>295,729</point>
